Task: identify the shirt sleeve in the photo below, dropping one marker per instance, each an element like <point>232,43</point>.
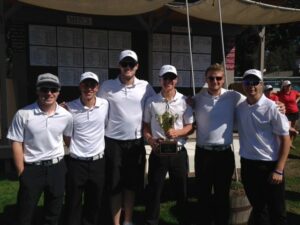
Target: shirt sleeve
<point>239,98</point>
<point>147,112</point>
<point>149,91</point>
<point>16,130</point>
<point>107,114</point>
<point>188,117</point>
<point>279,122</point>
<point>102,92</point>
<point>69,128</point>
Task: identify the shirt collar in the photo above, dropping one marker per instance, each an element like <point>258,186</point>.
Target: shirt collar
<point>38,111</point>
<point>135,82</point>
<point>173,100</point>
<point>97,104</point>
<point>260,101</point>
<point>211,96</point>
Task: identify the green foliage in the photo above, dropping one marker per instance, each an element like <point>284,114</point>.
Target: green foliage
<point>235,185</point>
<point>8,190</point>
<point>281,58</point>
<point>282,45</point>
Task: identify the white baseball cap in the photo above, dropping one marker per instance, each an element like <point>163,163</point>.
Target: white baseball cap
<point>167,69</point>
<point>89,75</point>
<point>128,53</point>
<point>268,87</point>
<point>286,83</point>
<point>253,72</point>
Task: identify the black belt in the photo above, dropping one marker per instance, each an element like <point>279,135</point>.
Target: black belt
<point>180,147</point>
<point>49,162</point>
<point>216,148</point>
<point>92,158</point>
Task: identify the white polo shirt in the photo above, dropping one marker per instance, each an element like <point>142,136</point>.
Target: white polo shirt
<point>126,104</point>
<point>215,116</point>
<point>259,127</point>
<point>42,135</point>
<point>88,129</point>
<point>157,104</point>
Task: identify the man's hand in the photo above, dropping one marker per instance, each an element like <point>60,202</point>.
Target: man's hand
<point>275,178</point>
<point>154,143</point>
<point>190,101</point>
<point>293,131</point>
<point>281,107</point>
<point>172,134</point>
<point>18,156</point>
<point>64,105</point>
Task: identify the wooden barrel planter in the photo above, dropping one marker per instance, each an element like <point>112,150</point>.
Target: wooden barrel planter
<point>240,207</point>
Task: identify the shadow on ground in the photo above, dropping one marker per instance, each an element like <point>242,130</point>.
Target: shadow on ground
<point>191,213</point>
<point>292,195</point>
<point>292,156</point>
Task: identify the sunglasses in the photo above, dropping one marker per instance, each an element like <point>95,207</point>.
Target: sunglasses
<point>89,84</point>
<point>126,64</point>
<point>47,89</point>
<point>251,82</point>
<point>169,76</point>
<point>215,78</point>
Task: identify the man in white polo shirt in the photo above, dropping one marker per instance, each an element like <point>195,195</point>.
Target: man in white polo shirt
<point>264,148</point>
<point>37,144</point>
<point>167,105</point>
<point>86,163</point>
<point>125,149</point>
<point>214,159</point>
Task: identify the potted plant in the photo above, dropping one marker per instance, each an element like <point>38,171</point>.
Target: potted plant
<point>239,204</point>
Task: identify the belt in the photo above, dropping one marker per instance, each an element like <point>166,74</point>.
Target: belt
<point>92,158</point>
<point>180,147</point>
<point>49,162</point>
<point>214,147</point>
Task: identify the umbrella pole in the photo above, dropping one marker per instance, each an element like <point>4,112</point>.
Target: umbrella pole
<point>190,45</point>
<point>262,36</point>
<point>222,40</point>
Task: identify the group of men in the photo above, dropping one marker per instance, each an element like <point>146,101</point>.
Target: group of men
<point>105,129</point>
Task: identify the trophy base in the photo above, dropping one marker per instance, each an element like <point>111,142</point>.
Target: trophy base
<point>168,148</point>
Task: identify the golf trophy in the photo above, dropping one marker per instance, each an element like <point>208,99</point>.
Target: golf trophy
<point>166,122</point>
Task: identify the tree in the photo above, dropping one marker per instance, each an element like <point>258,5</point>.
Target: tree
<point>282,45</point>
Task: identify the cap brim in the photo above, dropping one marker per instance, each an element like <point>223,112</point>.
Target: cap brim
<point>48,84</point>
<point>251,75</point>
<point>89,78</point>
<point>128,59</point>
<point>169,74</point>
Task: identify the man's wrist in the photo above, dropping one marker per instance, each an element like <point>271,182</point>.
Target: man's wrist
<point>148,139</point>
<point>279,172</point>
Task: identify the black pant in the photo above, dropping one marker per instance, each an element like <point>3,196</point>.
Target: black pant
<point>158,167</point>
<point>125,164</point>
<point>267,199</point>
<point>214,170</point>
<point>33,182</point>
<point>85,180</point>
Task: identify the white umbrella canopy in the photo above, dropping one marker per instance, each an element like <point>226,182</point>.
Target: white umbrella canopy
<point>241,12</point>
<point>101,7</point>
